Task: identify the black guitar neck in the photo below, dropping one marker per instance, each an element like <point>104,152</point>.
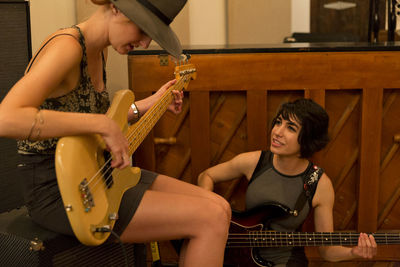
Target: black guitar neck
<point>301,239</point>
<point>247,231</point>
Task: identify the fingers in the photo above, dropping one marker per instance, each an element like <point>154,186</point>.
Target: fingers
<point>374,247</point>
<point>367,247</point>
<point>176,106</point>
<point>120,154</point>
<point>177,101</point>
<point>168,85</point>
<point>117,144</point>
<point>362,243</point>
<point>121,161</point>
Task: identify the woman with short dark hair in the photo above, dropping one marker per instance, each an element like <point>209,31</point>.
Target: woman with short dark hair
<point>281,177</point>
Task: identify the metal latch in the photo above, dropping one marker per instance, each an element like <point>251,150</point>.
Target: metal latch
<point>164,61</point>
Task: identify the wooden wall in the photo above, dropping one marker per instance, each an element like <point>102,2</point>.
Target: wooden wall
<point>229,107</point>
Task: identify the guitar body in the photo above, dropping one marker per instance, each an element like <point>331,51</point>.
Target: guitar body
<point>241,257</point>
<point>79,160</point>
<point>90,188</point>
<point>244,222</point>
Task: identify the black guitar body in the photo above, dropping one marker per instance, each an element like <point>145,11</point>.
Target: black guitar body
<point>244,222</point>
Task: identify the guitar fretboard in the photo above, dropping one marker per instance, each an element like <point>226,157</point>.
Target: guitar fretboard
<point>300,239</point>
<point>138,131</point>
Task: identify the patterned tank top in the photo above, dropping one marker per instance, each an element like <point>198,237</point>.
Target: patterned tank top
<point>83,99</point>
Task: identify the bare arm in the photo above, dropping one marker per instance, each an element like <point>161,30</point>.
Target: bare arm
<point>241,165</point>
<point>323,219</point>
<point>145,104</point>
<point>52,74</point>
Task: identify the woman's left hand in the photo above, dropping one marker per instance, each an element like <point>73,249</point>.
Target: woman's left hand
<point>175,106</point>
<point>177,100</point>
<point>366,247</point>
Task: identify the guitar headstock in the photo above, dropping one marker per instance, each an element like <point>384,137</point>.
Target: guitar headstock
<point>185,72</point>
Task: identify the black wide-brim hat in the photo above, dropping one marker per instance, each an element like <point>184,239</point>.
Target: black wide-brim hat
<point>154,17</point>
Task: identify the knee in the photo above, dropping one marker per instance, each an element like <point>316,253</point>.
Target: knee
<point>223,204</point>
<point>226,207</point>
<point>219,216</point>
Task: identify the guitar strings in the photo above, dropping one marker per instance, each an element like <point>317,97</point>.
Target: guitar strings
<point>279,239</point>
<point>160,105</point>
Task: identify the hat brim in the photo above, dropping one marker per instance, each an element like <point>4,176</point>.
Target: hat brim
<point>151,25</point>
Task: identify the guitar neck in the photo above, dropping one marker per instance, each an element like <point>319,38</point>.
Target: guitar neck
<point>301,239</point>
<point>137,132</point>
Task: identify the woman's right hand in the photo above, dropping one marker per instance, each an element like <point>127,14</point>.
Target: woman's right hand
<point>116,144</point>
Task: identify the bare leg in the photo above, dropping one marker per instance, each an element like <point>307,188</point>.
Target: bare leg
<point>173,209</point>
<point>163,183</point>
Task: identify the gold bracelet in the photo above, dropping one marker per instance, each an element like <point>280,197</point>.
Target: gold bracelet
<point>33,126</point>
<point>38,117</point>
<point>41,122</point>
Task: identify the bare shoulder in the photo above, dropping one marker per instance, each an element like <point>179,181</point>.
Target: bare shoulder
<point>249,156</point>
<point>55,68</point>
<point>62,45</point>
<point>247,162</point>
<point>324,193</point>
<point>241,165</point>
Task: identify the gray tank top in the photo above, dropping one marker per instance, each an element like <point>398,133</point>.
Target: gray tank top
<point>267,185</point>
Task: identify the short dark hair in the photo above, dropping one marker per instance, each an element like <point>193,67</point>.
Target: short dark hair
<point>314,121</point>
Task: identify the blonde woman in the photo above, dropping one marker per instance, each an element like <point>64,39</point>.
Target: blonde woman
<point>64,93</point>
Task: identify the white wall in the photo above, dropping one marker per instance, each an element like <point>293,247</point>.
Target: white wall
<point>47,16</point>
<point>300,16</point>
<point>261,22</point>
<point>207,22</point>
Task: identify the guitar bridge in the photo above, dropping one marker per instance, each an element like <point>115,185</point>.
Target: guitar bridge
<point>86,195</point>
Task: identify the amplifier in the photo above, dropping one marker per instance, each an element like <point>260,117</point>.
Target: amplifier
<point>15,53</point>
<point>24,243</point>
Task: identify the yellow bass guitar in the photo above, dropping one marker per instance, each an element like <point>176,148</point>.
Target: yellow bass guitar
<point>90,189</point>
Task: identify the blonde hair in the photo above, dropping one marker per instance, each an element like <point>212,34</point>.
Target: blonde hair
<point>101,2</point>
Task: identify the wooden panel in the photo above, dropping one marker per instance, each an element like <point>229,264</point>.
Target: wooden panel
<point>340,157</point>
<point>257,127</point>
<point>169,153</point>
<point>199,132</point>
<point>371,123</point>
<point>276,71</point>
<point>389,183</point>
<point>318,95</point>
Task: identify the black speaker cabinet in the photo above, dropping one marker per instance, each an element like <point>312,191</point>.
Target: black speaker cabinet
<point>24,243</point>
<point>15,53</point>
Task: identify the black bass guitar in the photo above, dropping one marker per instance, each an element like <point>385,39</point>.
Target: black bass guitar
<point>247,234</point>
